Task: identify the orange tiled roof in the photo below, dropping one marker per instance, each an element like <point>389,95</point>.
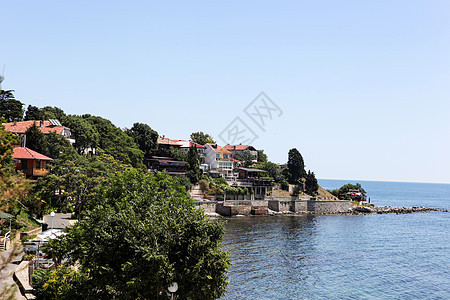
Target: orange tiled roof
<point>26,153</point>
<point>219,149</point>
<point>21,127</point>
<point>238,147</point>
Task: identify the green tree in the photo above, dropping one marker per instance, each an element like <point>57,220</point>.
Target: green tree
<point>45,113</point>
<point>311,185</point>
<point>246,157</point>
<point>50,112</point>
<point>202,138</point>
<point>177,154</point>
<point>144,233</point>
<point>194,173</point>
<point>145,137</point>
<point>262,157</point>
<point>116,142</point>
<point>86,135</point>
<point>347,187</point>
<point>35,139</point>
<point>10,108</point>
<point>273,170</point>
<point>296,166</point>
<point>55,145</point>
<point>33,113</point>
<point>13,186</point>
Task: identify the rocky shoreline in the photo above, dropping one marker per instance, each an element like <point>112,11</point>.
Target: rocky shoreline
<point>357,210</point>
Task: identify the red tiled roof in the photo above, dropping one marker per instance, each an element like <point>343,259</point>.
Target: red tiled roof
<point>21,127</point>
<point>238,147</point>
<point>26,153</point>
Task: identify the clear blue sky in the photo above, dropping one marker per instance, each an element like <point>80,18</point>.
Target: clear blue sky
<point>364,85</point>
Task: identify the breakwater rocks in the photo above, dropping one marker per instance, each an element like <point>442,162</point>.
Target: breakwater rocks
<point>356,210</point>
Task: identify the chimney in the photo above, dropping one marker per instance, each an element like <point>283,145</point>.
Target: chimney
<point>15,121</point>
<point>41,123</point>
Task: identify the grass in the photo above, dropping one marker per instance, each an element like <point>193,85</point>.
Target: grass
<point>25,222</point>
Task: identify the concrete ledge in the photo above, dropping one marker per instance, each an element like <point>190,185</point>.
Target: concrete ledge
<point>21,277</point>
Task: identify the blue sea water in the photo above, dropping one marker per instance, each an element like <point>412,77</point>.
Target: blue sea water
<point>388,256</point>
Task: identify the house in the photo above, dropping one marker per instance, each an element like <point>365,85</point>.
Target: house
<point>219,159</point>
<point>234,149</point>
<point>30,162</point>
<point>19,129</point>
<point>165,145</point>
<point>168,164</point>
<point>254,179</point>
<point>355,195</point>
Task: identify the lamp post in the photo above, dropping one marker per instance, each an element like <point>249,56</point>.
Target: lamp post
<point>52,214</point>
<point>172,289</point>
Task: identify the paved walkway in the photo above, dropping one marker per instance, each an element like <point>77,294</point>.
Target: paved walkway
<point>60,221</point>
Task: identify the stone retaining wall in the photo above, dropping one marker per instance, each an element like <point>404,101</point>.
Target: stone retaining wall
<point>208,207</point>
<point>244,207</point>
<point>280,206</point>
<point>299,206</point>
<point>329,207</point>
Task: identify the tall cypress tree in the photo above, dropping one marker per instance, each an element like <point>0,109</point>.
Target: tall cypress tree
<point>194,172</point>
<point>296,166</point>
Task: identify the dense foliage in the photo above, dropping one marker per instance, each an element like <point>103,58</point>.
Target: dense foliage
<point>262,157</point>
<point>10,108</point>
<point>35,139</point>
<point>348,187</point>
<point>311,185</point>
<point>145,137</point>
<point>202,138</point>
<point>245,157</point>
<point>194,172</point>
<point>143,233</point>
<point>296,166</point>
<point>115,142</point>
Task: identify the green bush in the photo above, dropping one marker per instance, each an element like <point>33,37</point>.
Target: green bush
<point>204,185</point>
<point>284,185</point>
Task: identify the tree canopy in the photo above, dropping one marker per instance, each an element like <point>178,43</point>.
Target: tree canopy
<point>202,138</point>
<point>311,185</point>
<point>348,187</point>
<point>143,233</point>
<point>86,135</point>
<point>262,157</point>
<point>35,139</point>
<point>246,157</point>
<point>10,107</point>
<point>194,173</point>
<point>145,137</point>
<point>296,166</point>
<point>116,142</point>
